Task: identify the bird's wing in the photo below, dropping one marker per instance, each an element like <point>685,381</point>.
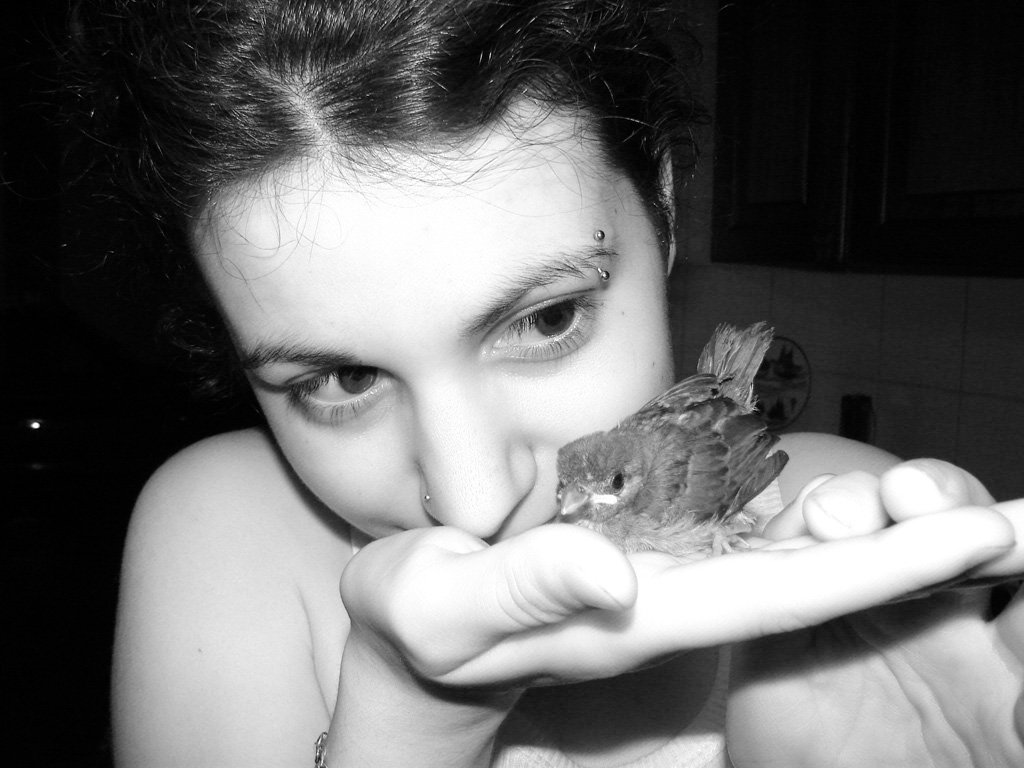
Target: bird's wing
<point>728,465</point>
<point>674,400</point>
<point>726,368</point>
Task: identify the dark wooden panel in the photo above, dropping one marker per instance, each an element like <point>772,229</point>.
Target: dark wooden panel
<point>940,161</point>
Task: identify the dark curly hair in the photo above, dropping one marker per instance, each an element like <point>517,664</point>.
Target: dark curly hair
<point>185,97</point>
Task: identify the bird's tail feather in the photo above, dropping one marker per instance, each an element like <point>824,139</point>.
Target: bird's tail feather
<point>734,355</point>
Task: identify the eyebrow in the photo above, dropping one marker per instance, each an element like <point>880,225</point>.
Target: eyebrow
<point>297,353</point>
<point>560,267</point>
<point>538,276</point>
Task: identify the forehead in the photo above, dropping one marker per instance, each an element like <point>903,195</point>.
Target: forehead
<point>316,244</point>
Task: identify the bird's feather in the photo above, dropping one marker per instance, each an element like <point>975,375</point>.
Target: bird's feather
<point>677,474</point>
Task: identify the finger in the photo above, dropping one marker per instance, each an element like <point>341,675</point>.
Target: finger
<point>924,486</point>
<point>1002,570</point>
<point>796,542</point>
<point>530,582</point>
<point>548,573</point>
<point>846,505</point>
<point>537,577</point>
<point>1010,564</point>
<point>738,597</point>
<point>442,597</point>
<point>797,588</point>
<point>790,523</point>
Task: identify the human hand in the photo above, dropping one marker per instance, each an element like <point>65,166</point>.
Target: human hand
<point>441,599</point>
<point>919,682</point>
<point>559,603</point>
<point>424,606</point>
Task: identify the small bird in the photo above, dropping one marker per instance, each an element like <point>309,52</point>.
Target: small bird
<point>676,475</point>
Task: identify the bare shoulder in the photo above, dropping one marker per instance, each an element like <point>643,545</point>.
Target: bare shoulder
<point>230,460</point>
<point>232,492</point>
<point>229,586</point>
<point>812,454</point>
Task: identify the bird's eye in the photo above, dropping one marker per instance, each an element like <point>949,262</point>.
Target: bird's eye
<point>618,481</point>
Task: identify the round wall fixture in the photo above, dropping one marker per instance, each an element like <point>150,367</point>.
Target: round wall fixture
<point>783,384</point>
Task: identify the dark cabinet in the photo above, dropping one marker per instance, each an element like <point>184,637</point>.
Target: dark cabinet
<point>879,135</point>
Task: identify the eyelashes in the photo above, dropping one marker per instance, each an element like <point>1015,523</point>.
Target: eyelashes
<point>546,333</point>
<point>558,329</point>
<point>338,395</point>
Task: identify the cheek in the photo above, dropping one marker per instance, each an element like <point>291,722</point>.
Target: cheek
<point>638,357</point>
<point>629,365</point>
<point>360,480</point>
<point>648,349</point>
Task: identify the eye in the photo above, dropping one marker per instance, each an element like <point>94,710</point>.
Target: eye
<point>555,320</point>
<point>618,481</point>
<point>334,396</point>
<point>549,332</point>
<point>356,379</point>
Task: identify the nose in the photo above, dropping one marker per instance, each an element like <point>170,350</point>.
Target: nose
<point>478,466</point>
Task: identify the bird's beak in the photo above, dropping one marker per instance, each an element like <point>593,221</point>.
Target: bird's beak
<point>573,500</point>
<point>575,503</point>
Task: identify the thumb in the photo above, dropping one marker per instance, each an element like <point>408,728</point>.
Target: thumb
<point>442,598</point>
<point>551,572</point>
<point>529,584</point>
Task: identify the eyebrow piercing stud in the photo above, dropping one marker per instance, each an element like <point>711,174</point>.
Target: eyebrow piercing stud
<point>604,274</point>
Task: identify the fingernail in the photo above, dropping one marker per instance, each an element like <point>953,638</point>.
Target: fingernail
<point>592,592</point>
<point>825,502</point>
<point>924,482</point>
<point>838,513</point>
<point>615,603</point>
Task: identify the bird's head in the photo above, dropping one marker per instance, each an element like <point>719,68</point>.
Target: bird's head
<point>599,476</point>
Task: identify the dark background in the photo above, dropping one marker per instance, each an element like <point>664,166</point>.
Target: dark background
<point>87,411</point>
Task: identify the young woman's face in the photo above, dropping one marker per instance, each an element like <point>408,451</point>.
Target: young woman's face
<point>442,333</point>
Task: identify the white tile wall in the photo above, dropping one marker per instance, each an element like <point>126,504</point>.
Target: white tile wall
<point>994,338</point>
<point>941,357</point>
<point>922,330</point>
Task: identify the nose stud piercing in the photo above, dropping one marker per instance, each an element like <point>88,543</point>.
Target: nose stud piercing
<point>599,235</point>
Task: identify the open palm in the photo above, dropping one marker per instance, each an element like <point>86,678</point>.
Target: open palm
<point>927,682</point>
